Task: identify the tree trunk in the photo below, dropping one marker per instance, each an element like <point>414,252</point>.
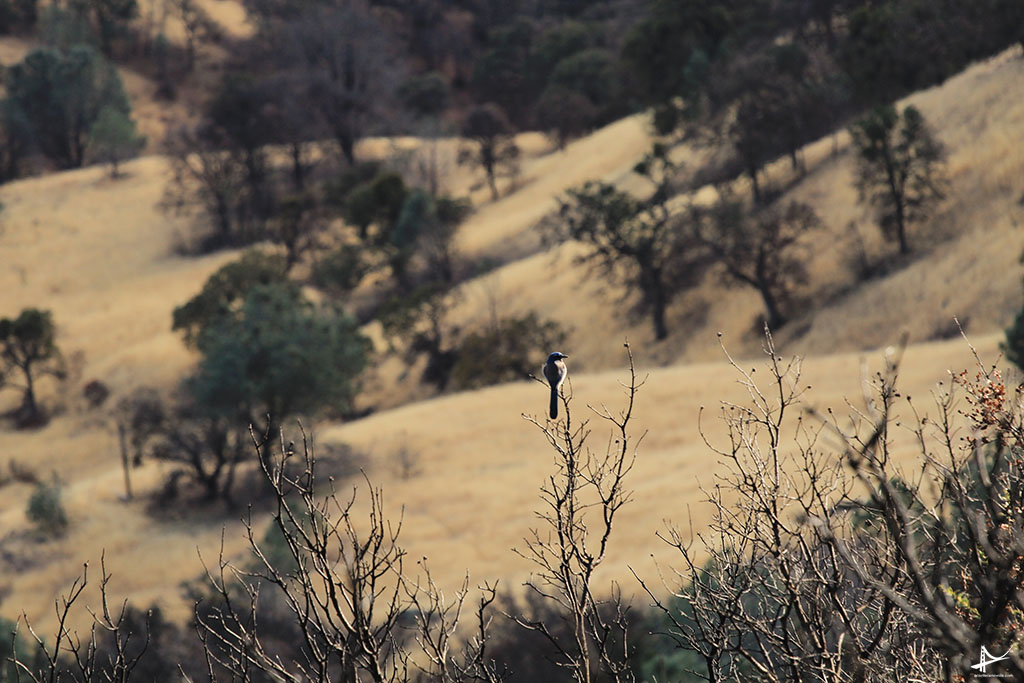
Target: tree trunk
<point>658,305</point>
<point>901,227</point>
<point>348,146</point>
<point>298,168</point>
<point>29,411</point>
<point>755,187</point>
<point>122,438</point>
<point>488,158</point>
<point>776,318</point>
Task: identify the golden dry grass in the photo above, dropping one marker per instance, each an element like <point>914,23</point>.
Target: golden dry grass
<point>100,255</point>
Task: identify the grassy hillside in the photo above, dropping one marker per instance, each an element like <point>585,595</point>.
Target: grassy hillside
<point>101,255</point>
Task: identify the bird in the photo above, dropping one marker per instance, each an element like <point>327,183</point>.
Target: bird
<point>555,373</point>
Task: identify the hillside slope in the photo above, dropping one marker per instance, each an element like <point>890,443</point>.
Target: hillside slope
<point>101,255</point>
<point>965,261</point>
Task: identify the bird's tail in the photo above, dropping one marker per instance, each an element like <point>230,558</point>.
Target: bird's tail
<point>554,403</point>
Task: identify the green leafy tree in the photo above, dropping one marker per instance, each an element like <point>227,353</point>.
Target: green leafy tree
<point>340,270</point>
<point>267,353</point>
<point>594,73</point>
<point>426,95</point>
<point>375,203</point>
<point>669,54</point>
<point>54,98</point>
<point>114,139</point>
<point>28,345</point>
<point>426,227</point>
<point>899,168</point>
<point>225,291</point>
<point>416,319</point>
<point>278,356</point>
<point>501,75</point>
<point>564,113</point>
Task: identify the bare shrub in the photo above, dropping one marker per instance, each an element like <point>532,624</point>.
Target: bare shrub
<point>111,651</point>
<point>827,561</point>
<point>406,461</point>
<point>580,502</point>
<point>346,592</point>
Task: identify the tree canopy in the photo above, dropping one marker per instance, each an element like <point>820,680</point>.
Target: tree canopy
<point>54,97</point>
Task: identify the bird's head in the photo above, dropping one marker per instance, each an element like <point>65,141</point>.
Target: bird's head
<point>557,355</point>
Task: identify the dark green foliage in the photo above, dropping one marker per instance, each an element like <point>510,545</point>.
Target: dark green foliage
<point>564,113</point>
<point>426,227</point>
<point>113,138</point>
<point>46,510</point>
<point>658,655</point>
<point>593,73</point>
<point>12,642</point>
<point>376,202</point>
<point>556,44</point>
<point>669,52</point>
<point>28,345</point>
<point>501,74</point>
<point>894,47</point>
<point>899,168</point>
<point>512,349</point>
<point>278,355</point>
<point>236,113</point>
<point>340,270</point>
<point>225,291</point>
<point>63,28</point>
<point>1013,347</point>
<point>416,318</point>
<point>563,79</point>
<point>54,97</point>
<point>425,95</point>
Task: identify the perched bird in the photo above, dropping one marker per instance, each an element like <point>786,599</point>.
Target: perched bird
<point>555,373</point>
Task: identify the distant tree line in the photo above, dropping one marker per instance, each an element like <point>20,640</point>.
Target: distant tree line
<point>772,76</point>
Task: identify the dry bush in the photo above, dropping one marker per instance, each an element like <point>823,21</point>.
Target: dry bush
<point>825,561</point>
<point>344,589</point>
<point>112,650</point>
<point>580,503</point>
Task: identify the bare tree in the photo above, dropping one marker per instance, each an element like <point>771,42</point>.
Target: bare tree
<point>826,561</point>
<point>570,548</point>
<point>70,657</point>
<point>343,58</point>
<point>765,250</point>
<point>346,592</point>
<point>641,241</point>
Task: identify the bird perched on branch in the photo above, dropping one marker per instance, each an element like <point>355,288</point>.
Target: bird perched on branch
<point>555,373</point>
